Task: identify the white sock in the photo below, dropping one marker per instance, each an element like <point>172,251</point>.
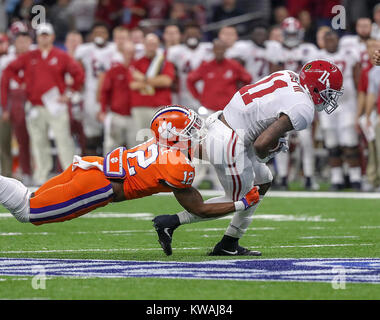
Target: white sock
<point>337,175</point>
<point>282,164</point>
<point>308,163</point>
<point>14,196</point>
<point>355,174</point>
<point>186,217</point>
<point>241,221</point>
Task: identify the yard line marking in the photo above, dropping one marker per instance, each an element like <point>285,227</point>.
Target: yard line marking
<point>91,250</point>
<point>150,216</point>
<point>179,249</point>
<point>324,245</point>
<point>25,233</point>
<point>369,227</point>
<point>329,237</point>
<point>222,229</point>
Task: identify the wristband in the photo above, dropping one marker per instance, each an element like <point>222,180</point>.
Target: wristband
<point>240,205</point>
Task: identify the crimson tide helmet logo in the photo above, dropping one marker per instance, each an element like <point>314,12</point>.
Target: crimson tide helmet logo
<point>324,78</point>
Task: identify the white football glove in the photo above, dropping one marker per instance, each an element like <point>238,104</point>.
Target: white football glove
<point>281,147</point>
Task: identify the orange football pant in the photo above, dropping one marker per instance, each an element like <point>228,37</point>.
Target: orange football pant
<point>71,194</point>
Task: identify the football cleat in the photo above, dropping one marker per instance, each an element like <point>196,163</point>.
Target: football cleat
<point>165,226</point>
<point>239,251</point>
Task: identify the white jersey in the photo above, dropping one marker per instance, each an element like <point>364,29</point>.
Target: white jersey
<point>354,43</point>
<point>256,59</point>
<point>117,57</point>
<point>294,58</point>
<point>185,61</point>
<point>95,60</point>
<point>345,59</point>
<point>255,107</point>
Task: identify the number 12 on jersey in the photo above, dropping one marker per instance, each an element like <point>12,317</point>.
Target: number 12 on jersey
<point>188,177</point>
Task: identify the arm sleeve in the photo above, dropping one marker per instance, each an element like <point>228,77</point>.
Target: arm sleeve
<point>76,71</point>
<point>169,69</point>
<point>4,89</point>
<point>106,90</point>
<point>300,115</point>
<point>11,72</point>
<point>192,78</point>
<point>243,74</point>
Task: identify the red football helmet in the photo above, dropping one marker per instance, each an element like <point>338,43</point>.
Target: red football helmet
<point>323,80</point>
<point>292,31</point>
<point>177,127</point>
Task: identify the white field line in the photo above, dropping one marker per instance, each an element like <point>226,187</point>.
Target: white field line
<point>126,232</point>
<point>178,249</point>
<point>149,216</point>
<point>289,194</point>
<point>298,194</point>
<point>329,237</point>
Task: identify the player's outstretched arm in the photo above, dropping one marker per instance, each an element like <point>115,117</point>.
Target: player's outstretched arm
<point>268,141</point>
<point>191,200</point>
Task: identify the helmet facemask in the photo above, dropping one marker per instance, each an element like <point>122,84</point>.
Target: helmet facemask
<point>293,39</point>
<point>330,99</point>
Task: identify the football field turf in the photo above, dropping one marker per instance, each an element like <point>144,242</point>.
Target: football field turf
<point>307,244</point>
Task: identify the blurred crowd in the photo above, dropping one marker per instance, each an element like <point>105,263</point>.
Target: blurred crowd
<point>90,77</point>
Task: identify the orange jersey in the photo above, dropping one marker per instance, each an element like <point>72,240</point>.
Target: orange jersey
<point>148,169</point>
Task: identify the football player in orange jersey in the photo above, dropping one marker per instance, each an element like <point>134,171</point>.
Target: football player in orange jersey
<point>158,165</point>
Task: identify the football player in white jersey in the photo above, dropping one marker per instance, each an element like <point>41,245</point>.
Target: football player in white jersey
<point>187,57</point>
<point>120,36</point>
<point>230,37</point>
<point>95,57</point>
<point>248,133</point>
<point>358,42</point>
<point>256,54</point>
<point>292,56</point>
<point>340,136</point>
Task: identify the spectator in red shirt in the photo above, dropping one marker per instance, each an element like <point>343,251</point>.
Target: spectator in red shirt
<point>115,103</point>
<point>222,78</point>
<point>44,72</point>
<point>5,126</point>
<point>367,96</point>
<point>13,112</point>
<point>73,40</point>
<point>152,77</point>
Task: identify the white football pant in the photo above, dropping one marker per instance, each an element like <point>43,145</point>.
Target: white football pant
<point>237,169</point>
